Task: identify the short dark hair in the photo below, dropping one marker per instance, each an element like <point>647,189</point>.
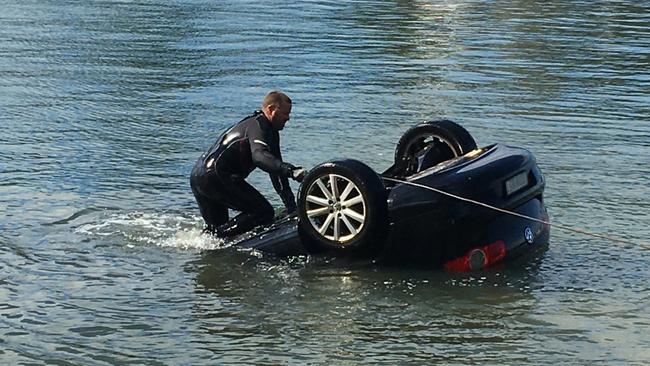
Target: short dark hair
<point>275,98</point>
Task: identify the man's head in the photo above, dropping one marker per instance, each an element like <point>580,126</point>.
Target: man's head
<point>277,107</point>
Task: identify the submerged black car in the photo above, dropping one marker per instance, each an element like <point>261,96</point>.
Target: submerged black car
<point>443,203</point>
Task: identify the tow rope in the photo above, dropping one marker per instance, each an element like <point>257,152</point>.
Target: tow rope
<point>561,227</point>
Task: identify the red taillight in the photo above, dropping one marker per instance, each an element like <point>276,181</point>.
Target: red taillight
<point>478,258</point>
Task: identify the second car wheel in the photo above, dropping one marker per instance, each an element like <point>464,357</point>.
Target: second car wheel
<point>430,143</point>
<point>342,206</point>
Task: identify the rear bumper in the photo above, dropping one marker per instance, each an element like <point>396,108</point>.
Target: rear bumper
<point>436,239</point>
<point>506,237</point>
<point>520,234</point>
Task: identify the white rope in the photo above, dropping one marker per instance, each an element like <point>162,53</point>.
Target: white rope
<point>562,227</point>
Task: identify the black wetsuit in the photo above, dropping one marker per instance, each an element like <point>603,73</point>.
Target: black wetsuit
<point>218,183</point>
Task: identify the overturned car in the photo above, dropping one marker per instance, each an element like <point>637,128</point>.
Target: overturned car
<point>443,203</point>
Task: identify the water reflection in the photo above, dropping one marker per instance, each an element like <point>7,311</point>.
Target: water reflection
<point>358,307</point>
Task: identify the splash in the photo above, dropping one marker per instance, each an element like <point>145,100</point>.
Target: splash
<point>160,229</point>
<point>190,239</point>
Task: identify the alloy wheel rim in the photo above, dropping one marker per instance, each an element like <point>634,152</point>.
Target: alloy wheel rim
<point>432,139</point>
<point>336,208</point>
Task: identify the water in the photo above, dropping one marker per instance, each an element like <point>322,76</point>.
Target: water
<point>105,105</point>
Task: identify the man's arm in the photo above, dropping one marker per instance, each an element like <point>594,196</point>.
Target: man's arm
<point>261,153</point>
<point>264,158</point>
<point>281,185</point>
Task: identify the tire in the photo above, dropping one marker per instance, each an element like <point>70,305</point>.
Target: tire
<point>430,143</point>
<point>349,218</point>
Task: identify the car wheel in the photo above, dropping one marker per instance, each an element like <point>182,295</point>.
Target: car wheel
<point>430,143</point>
<point>342,206</point>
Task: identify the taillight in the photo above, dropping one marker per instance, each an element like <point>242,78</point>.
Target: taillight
<point>478,258</point>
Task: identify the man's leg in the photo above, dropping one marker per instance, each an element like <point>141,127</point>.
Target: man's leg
<point>255,209</point>
<point>214,213</point>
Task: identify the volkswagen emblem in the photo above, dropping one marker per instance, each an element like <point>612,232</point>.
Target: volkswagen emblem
<point>528,235</point>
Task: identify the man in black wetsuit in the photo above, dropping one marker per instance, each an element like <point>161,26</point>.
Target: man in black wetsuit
<point>217,178</point>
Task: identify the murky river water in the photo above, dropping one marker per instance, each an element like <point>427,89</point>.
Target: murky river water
<point>105,105</point>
